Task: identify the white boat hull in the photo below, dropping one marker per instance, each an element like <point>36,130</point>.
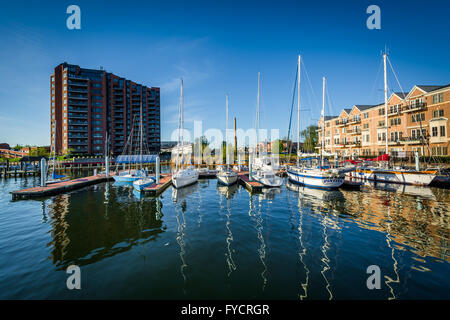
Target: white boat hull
<point>184,178</point>
<point>315,180</point>
<point>422,178</point>
<point>267,178</point>
<point>227,179</point>
<point>141,184</point>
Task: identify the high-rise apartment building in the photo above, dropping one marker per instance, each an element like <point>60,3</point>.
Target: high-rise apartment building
<point>88,105</point>
<point>418,120</point>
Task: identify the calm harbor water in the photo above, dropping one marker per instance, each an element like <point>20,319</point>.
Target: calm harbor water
<point>211,242</point>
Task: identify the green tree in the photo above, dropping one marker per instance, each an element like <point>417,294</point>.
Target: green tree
<point>310,138</point>
<point>277,146</point>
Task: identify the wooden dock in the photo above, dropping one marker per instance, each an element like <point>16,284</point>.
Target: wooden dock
<point>252,186</point>
<point>156,189</point>
<point>58,188</point>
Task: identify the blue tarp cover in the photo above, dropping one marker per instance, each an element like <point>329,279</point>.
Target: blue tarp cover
<point>57,176</point>
<point>135,158</point>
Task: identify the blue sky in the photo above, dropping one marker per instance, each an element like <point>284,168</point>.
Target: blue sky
<point>218,47</point>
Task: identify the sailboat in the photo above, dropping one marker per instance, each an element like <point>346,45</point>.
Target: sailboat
<point>394,175</point>
<point>133,175</point>
<point>311,172</point>
<point>227,176</point>
<point>55,178</point>
<point>264,171</point>
<point>145,181</point>
<point>182,177</point>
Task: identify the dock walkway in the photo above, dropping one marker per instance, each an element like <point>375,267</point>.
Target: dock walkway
<point>252,186</point>
<point>59,187</point>
<point>165,180</point>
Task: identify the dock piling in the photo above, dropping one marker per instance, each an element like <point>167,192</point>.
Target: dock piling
<point>250,172</point>
<point>157,170</point>
<point>43,173</point>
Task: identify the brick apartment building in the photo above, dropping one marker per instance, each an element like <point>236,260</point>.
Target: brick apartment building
<point>86,104</point>
<point>417,121</point>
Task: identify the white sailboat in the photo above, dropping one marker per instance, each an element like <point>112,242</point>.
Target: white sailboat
<point>182,177</point>
<point>315,175</point>
<point>225,175</point>
<point>264,171</point>
<point>394,175</point>
<point>145,180</point>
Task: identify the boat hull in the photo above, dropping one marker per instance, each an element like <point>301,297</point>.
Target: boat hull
<point>314,180</point>
<point>421,178</point>
<point>227,179</point>
<point>180,181</point>
<point>141,186</point>
<point>126,178</point>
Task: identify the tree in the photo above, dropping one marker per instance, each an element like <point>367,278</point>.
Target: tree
<point>277,146</point>
<point>310,138</point>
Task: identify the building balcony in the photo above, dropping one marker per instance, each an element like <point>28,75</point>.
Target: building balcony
<point>357,120</point>
<point>77,83</point>
<point>414,107</point>
<point>341,123</point>
<point>78,109</point>
<point>71,135</point>
<point>78,122</point>
<point>77,143</point>
<point>412,140</point>
<point>78,129</point>
<point>354,132</point>
<point>395,142</point>
<point>395,113</point>
<point>77,116</point>
<point>77,90</point>
<point>77,103</point>
<point>77,96</point>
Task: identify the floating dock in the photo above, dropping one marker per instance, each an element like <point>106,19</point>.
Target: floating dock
<point>59,187</point>
<point>165,180</point>
<point>252,186</point>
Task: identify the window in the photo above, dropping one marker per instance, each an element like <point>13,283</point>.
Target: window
<point>97,110</point>
<point>366,126</point>
<point>442,129</point>
<point>418,117</point>
<point>395,121</point>
<point>439,97</point>
<point>366,138</point>
<point>434,131</point>
<point>365,115</point>
<point>381,112</point>
<point>438,113</point>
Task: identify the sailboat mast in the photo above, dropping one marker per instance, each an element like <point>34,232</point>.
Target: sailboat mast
<point>257,115</point>
<point>226,135</point>
<point>298,111</point>
<point>323,123</point>
<point>141,135</point>
<point>385,103</point>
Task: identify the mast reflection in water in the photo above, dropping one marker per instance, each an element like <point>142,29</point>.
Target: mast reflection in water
<point>212,241</point>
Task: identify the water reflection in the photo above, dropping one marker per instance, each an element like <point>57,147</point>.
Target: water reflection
<point>228,192</point>
<point>180,197</point>
<point>389,280</point>
<point>87,228</point>
<point>303,250</point>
